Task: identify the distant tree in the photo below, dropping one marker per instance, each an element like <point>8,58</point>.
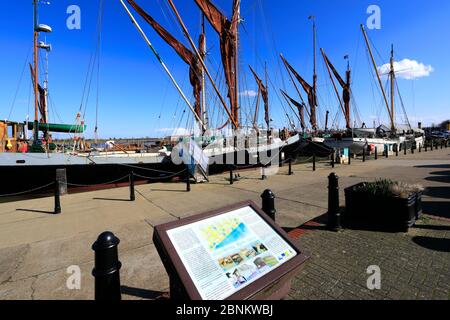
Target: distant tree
<point>445,125</point>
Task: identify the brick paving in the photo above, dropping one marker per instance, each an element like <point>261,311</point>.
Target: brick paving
<point>415,265</point>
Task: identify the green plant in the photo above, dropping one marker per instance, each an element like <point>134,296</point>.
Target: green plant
<point>389,188</point>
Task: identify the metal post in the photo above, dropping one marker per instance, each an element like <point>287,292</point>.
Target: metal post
<point>290,167</point>
<point>364,154</point>
<point>387,151</point>
<point>376,153</point>
<point>263,173</point>
<point>231,175</point>
<point>333,155</point>
<point>412,148</point>
<point>57,198</point>
<point>280,159</point>
<point>132,194</point>
<point>188,180</point>
<point>107,267</point>
<point>420,148</point>
<point>334,215</point>
<point>426,146</point>
<point>396,150</point>
<point>314,162</point>
<point>268,203</point>
<point>349,157</point>
<point>431,145</point>
<point>404,148</point>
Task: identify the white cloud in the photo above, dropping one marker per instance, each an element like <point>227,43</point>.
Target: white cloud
<point>407,69</point>
<point>248,93</point>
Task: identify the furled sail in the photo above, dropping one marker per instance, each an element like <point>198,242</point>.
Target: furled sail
<point>300,108</point>
<point>42,98</point>
<point>345,89</point>
<point>227,31</point>
<point>187,55</point>
<point>312,99</point>
<point>265,95</point>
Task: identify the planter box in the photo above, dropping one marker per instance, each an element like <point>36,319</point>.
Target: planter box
<point>382,212</point>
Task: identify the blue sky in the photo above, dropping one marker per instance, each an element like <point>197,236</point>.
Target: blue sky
<point>137,99</point>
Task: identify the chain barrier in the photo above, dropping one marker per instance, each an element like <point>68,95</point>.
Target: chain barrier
<point>158,178</point>
<point>97,184</point>
<point>27,191</point>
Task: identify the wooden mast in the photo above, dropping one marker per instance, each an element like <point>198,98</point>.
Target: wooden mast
<point>35,72</point>
<point>392,77</point>
<point>315,67</point>
<point>236,64</point>
<point>378,77</point>
<point>203,52</point>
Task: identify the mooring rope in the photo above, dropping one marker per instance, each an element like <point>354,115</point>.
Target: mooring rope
<point>25,192</point>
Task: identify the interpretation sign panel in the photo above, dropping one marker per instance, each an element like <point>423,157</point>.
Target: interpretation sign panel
<point>226,252</point>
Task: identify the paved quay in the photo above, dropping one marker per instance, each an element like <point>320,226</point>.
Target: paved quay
<point>36,247</point>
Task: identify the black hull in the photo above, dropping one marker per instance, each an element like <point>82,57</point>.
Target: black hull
<point>20,181</point>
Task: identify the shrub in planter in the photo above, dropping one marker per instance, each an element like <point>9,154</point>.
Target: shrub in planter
<point>384,204</point>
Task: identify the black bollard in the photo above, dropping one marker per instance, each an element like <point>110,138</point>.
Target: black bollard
<point>387,152</point>
<point>404,148</point>
<point>231,175</point>
<point>57,198</point>
<point>132,194</point>
<point>426,146</point>
<point>263,173</point>
<point>376,153</point>
<point>314,162</point>
<point>396,150</point>
<point>420,148</point>
<point>268,203</point>
<point>431,145</point>
<point>349,158</point>
<point>188,180</point>
<point>442,145</point>
<point>107,267</point>
<point>412,148</point>
<point>364,154</point>
<point>333,155</point>
<point>334,215</point>
<point>290,167</point>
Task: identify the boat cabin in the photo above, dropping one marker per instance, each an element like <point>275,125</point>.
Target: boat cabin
<point>12,137</point>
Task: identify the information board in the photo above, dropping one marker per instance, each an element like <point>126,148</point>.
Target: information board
<point>229,253</point>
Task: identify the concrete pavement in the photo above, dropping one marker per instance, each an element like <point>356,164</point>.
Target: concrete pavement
<point>37,247</point>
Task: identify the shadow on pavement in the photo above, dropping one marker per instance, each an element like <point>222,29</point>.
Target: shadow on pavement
<point>436,244</point>
<point>111,199</point>
<point>428,227</point>
<point>36,211</point>
<point>437,208</point>
<point>144,294</point>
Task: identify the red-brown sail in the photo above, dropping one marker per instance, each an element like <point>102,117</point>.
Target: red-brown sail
<point>300,107</point>
<point>312,99</point>
<point>187,55</point>
<point>265,96</point>
<point>227,31</point>
<point>345,89</point>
